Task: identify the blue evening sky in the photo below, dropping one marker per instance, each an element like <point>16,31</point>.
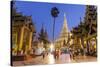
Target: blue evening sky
<point>41,14</point>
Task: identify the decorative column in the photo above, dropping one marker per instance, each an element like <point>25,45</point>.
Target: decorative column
<point>30,40</point>
<point>21,38</point>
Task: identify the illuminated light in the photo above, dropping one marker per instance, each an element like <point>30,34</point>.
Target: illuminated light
<point>51,59</point>
<point>51,47</point>
<point>84,42</point>
<point>95,46</point>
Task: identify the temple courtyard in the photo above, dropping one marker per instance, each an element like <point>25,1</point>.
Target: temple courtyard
<point>49,59</point>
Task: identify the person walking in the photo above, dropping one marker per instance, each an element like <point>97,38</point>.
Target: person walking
<point>55,54</point>
<point>43,54</point>
<point>58,54</point>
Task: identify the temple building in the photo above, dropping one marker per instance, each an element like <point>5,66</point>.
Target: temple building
<point>85,34</point>
<point>22,33</point>
<point>91,23</point>
<point>62,40</point>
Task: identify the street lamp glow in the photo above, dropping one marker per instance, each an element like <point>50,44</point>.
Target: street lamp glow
<point>51,59</point>
<point>51,47</point>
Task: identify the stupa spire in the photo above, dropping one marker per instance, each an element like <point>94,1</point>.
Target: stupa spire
<point>63,38</point>
<point>65,25</point>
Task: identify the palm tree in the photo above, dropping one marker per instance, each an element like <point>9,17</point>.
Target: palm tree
<point>54,13</point>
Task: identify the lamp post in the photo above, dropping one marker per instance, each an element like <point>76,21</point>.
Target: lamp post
<point>54,13</point>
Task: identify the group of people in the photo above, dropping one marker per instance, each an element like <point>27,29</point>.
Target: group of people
<point>65,52</point>
<point>44,53</point>
<point>57,53</point>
